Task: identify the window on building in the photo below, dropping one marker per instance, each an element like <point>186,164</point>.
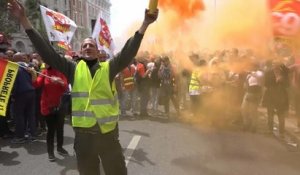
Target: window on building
<point>75,17</point>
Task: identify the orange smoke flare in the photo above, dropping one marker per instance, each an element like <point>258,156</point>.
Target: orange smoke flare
<point>186,8</point>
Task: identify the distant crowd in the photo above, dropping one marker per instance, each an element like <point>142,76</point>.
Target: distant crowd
<point>223,87</point>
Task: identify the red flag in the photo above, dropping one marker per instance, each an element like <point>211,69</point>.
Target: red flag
<point>64,45</point>
<point>286,17</point>
<point>102,36</point>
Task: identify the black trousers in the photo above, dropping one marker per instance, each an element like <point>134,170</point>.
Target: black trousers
<point>24,109</point>
<point>55,123</point>
<point>88,148</point>
<point>281,114</point>
<point>195,104</point>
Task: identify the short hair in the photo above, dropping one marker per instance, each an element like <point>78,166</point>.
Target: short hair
<point>11,49</point>
<point>89,38</point>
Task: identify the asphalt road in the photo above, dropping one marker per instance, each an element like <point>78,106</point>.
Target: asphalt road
<point>161,147</point>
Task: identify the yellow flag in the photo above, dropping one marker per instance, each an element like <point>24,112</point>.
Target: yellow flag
<point>8,73</point>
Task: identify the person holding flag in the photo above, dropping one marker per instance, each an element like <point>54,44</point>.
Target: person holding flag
<point>95,108</point>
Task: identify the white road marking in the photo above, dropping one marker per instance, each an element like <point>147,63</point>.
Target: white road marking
<point>131,147</point>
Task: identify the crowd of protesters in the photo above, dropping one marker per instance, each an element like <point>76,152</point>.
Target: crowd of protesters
<point>224,87</point>
<point>37,104</point>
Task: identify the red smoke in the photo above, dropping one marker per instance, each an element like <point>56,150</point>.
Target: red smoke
<point>185,8</point>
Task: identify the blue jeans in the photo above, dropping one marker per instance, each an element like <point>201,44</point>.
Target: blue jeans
<point>129,98</point>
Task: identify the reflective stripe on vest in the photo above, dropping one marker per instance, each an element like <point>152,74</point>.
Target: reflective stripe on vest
<point>104,101</point>
<point>128,79</point>
<point>80,94</point>
<point>91,114</point>
<point>102,121</point>
<point>83,114</point>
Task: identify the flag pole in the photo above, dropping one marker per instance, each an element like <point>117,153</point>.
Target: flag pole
<point>33,70</point>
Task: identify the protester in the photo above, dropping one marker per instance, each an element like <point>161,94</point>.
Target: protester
<point>252,97</point>
<point>276,96</point>
<point>143,85</point>
<point>37,63</point>
<point>128,101</point>
<point>155,85</point>
<point>24,101</point>
<point>167,90</point>
<point>195,85</point>
<point>295,85</point>
<point>95,109</point>
<point>53,87</point>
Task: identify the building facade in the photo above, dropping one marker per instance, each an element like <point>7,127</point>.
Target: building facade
<point>82,12</point>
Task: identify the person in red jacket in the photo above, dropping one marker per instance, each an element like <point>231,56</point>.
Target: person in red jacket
<point>129,91</point>
<point>53,84</point>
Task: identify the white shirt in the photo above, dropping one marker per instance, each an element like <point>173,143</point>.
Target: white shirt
<point>255,78</point>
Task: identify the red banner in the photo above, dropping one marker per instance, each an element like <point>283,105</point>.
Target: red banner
<point>286,17</point>
<point>64,45</point>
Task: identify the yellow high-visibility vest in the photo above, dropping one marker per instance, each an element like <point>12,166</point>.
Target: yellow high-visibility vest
<point>195,82</point>
<point>94,100</point>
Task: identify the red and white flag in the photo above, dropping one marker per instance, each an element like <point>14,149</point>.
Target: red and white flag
<point>63,44</point>
<point>59,27</point>
<point>102,36</point>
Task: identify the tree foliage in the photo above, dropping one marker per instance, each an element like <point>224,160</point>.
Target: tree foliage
<point>34,15</point>
<point>7,24</point>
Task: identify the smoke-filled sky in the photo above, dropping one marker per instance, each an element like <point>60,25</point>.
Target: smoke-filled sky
<point>124,13</point>
<point>186,25</point>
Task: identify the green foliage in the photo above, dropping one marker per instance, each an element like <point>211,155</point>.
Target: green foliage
<point>34,15</point>
<point>33,11</point>
<point>8,26</point>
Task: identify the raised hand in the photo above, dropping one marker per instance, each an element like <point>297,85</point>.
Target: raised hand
<point>150,17</point>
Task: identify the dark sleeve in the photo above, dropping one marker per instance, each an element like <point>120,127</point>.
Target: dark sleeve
<point>268,79</point>
<point>50,57</point>
<point>123,58</point>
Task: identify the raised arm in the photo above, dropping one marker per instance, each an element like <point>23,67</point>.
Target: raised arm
<point>43,47</point>
<point>129,51</point>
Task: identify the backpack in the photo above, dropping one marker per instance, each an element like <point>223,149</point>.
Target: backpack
<point>166,76</point>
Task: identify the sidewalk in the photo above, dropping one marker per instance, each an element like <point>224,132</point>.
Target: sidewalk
<point>290,127</point>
